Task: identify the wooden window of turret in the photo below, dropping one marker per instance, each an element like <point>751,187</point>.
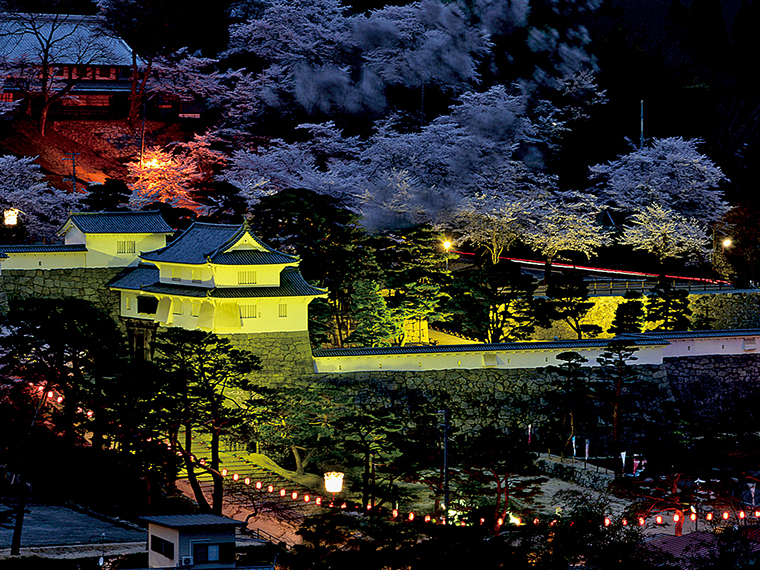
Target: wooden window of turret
<point>125,246</point>
<point>248,312</point>
<point>283,310</point>
<point>246,278</point>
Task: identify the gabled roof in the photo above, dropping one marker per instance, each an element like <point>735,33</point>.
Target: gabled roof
<point>75,39</point>
<point>145,277</point>
<point>202,243</point>
<point>117,223</point>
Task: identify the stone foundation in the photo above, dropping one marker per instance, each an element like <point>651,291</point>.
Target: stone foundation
<point>285,356</point>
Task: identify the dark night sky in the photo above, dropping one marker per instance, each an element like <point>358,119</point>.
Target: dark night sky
<point>649,11</point>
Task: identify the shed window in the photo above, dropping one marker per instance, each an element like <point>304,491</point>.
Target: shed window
<point>283,310</point>
<point>162,546</point>
<point>125,247</point>
<point>224,553</point>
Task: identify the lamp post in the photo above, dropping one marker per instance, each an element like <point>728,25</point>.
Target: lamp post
<point>10,216</point>
<point>447,247</point>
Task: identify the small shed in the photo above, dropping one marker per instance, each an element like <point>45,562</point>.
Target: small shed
<point>202,542</point>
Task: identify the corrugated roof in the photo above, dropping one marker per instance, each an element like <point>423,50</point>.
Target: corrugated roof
<point>118,223</point>
<point>183,521</point>
<point>203,242</point>
<point>145,278</point>
<point>506,346</point>
<point>76,40</point>
<point>45,248</point>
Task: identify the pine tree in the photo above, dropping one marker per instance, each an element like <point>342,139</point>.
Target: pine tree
<point>629,315</point>
<point>668,307</point>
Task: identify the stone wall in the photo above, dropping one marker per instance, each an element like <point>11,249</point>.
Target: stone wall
<point>285,356</point>
<point>88,284</point>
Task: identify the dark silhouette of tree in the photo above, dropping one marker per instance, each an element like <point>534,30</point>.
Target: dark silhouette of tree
<point>568,302</point>
<point>629,315</point>
<point>668,307</point>
<point>204,369</point>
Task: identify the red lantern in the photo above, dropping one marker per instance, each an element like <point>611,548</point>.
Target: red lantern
<point>693,516</point>
<point>709,516</point>
<point>500,521</point>
<point>235,477</point>
<point>258,484</point>
<point>725,515</point>
<point>658,519</point>
<point>607,521</point>
<point>306,498</point>
<point>427,518</point>
<point>624,522</point>
<point>283,492</point>
<point>676,518</point>
<point>224,472</point>
<point>294,495</point>
<point>642,521</point>
<point>411,516</point>
<point>535,521</point>
<point>247,481</point>
<point>270,489</point>
<point>394,513</point>
<point>742,514</point>
<point>318,500</point>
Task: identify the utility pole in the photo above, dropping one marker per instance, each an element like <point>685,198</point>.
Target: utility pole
<point>73,160</point>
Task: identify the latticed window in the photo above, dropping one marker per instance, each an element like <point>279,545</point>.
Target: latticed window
<point>248,311</point>
<point>125,247</point>
<point>196,275</point>
<point>246,278</point>
<point>283,310</point>
<point>176,274</point>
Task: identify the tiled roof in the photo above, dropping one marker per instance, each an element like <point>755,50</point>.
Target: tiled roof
<point>118,223</point>
<point>46,248</point>
<point>19,32</point>
<point>506,346</point>
<point>181,521</point>
<point>721,333</point>
<point>145,278</point>
<point>203,242</point>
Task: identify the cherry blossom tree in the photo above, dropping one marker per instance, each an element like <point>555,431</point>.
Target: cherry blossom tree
<point>23,187</point>
<point>665,233</point>
<point>671,173</point>
<point>161,177</point>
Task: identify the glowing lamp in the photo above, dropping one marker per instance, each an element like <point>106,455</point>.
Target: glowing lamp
<point>658,519</point>
<point>59,399</point>
<point>306,498</point>
<point>500,521</point>
<point>482,521</point>
<point>294,495</point>
<point>411,516</point>
<point>462,523</point>
<point>742,514</point>
<point>247,481</point>
<point>676,518</point>
<point>394,513</point>
<point>224,472</point>
<point>235,477</point>
<point>709,516</point>
<point>202,462</point>
<point>624,522</point>
<point>283,492</point>
<point>50,394</point>
<point>725,515</point>
<point>10,216</point>
<point>333,482</point>
<point>757,514</point>
<point>536,521</point>
<point>369,506</point>
<point>447,245</point>
<point>727,242</point>
<point>258,484</point>
<point>642,521</point>
<point>270,489</point>
<point>343,506</point>
<point>607,521</point>
<point>693,516</point>
<point>427,518</point>
<point>318,500</point>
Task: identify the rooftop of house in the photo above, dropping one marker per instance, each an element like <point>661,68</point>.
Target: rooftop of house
<point>190,521</point>
<point>117,223</point>
<point>43,248</point>
<point>145,278</point>
<point>76,40</point>
<point>203,243</point>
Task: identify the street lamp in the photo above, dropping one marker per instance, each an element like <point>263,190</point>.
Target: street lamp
<point>447,247</point>
<point>726,243</point>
